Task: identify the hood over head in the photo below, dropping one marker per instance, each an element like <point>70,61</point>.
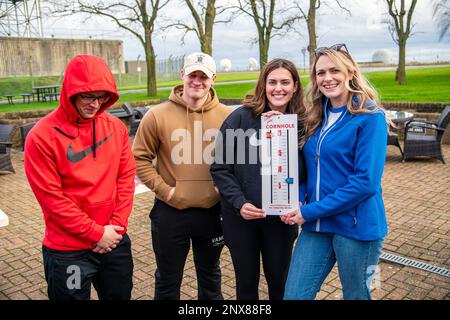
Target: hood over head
<point>86,73</point>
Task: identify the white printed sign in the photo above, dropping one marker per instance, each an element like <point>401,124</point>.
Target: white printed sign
<point>279,151</point>
<point>4,221</point>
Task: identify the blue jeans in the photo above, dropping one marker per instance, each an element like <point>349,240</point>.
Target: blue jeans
<point>316,253</point>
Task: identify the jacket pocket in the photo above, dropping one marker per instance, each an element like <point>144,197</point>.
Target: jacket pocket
<point>100,212</point>
<point>194,194</point>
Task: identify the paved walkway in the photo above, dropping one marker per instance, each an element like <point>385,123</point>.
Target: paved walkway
<point>417,198</point>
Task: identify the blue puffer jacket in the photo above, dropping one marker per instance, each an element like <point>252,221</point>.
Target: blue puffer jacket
<point>345,165</point>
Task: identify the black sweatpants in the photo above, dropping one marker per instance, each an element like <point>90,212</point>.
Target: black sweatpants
<point>172,233</point>
<point>247,240</point>
<point>69,274</point>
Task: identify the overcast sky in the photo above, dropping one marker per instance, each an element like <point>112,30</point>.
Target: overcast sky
<point>364,32</point>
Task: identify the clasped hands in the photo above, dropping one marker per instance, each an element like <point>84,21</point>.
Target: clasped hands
<point>250,212</point>
<point>109,240</point>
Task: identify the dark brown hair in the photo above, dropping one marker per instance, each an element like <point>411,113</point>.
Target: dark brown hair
<point>258,101</point>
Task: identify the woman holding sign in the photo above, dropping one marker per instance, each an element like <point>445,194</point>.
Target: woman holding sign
<point>248,232</point>
<point>343,217</point>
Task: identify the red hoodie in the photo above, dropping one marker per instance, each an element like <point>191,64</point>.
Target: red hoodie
<point>81,171</point>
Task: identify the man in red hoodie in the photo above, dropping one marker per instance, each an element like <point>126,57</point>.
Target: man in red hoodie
<point>79,164</point>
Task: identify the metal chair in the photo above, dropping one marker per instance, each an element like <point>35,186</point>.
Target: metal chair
<point>6,133</point>
<point>24,129</point>
<point>133,118</point>
<point>140,112</point>
<point>424,145</point>
<point>392,139</point>
<point>128,109</point>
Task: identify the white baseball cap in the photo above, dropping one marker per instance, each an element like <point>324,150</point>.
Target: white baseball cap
<point>200,61</point>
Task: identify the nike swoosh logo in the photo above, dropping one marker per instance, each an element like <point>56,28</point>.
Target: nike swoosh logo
<point>78,156</point>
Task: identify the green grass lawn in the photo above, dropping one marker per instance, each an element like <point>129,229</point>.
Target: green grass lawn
<point>423,85</point>
<point>221,77</point>
<point>18,85</point>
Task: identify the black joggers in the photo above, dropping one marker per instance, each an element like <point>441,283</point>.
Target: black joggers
<point>172,232</point>
<point>69,274</point>
<point>248,241</point>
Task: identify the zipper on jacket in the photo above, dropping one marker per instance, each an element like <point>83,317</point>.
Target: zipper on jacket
<point>318,187</point>
<point>94,146</point>
<point>355,217</point>
<point>322,135</point>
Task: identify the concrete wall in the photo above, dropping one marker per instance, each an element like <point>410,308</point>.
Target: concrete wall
<point>49,57</point>
<point>131,67</point>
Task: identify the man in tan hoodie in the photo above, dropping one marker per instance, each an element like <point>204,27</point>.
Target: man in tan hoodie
<point>173,149</point>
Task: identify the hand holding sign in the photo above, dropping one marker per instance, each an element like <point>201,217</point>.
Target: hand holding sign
<point>279,156</point>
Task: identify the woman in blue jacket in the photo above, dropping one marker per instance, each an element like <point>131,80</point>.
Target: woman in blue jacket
<point>342,217</point>
<point>248,233</point>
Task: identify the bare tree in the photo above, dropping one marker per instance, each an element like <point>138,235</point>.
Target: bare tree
<point>204,13</point>
<point>310,17</point>
<point>441,11</point>
<point>135,16</point>
<point>400,27</point>
<point>263,13</point>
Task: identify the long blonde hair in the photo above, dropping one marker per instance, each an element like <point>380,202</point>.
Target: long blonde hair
<point>358,86</point>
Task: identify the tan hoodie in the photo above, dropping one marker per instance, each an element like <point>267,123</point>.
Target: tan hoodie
<point>169,149</point>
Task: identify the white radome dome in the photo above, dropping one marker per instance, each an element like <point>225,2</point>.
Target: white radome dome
<point>382,55</point>
<point>225,64</point>
<point>252,64</point>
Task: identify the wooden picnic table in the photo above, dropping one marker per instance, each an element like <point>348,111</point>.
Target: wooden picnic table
<point>42,91</point>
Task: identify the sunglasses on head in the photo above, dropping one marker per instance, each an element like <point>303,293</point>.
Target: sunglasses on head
<point>335,47</point>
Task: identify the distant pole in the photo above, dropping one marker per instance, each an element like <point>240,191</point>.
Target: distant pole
<point>39,15</point>
<point>118,69</point>
<point>30,62</point>
<point>17,19</point>
<point>304,63</point>
<point>30,66</point>
<point>27,20</point>
<point>139,69</point>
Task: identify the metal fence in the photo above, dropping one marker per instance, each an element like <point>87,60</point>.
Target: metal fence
<point>166,69</point>
<point>169,69</point>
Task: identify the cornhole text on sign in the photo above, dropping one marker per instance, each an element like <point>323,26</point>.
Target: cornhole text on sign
<point>279,156</point>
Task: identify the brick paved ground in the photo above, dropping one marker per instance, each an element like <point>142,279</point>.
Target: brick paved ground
<point>417,198</point>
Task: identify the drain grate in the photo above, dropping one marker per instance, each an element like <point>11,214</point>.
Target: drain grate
<point>415,264</point>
